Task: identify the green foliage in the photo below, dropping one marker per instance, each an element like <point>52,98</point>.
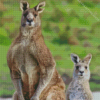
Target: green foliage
<point>4,40</point>
<point>94,86</point>
<point>1,14</point>
<point>89,4</point>
<point>64,32</point>
<point>83,21</point>
<point>47,27</point>
<point>70,1</point>
<point>57,15</point>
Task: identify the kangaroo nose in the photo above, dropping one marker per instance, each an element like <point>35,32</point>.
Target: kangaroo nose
<point>81,72</point>
<point>29,20</point>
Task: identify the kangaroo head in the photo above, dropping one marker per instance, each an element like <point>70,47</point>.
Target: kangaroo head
<point>30,16</point>
<point>81,67</point>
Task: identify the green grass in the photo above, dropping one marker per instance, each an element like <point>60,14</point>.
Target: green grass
<point>75,16</point>
<point>94,86</point>
<point>6,87</point>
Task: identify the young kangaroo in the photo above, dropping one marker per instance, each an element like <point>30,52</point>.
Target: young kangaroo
<point>31,64</point>
<point>79,88</point>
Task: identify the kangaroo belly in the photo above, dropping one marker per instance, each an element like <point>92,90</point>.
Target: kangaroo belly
<point>28,68</point>
<point>30,81</point>
<point>33,73</point>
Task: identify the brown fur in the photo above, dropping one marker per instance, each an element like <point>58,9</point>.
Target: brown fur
<point>31,61</point>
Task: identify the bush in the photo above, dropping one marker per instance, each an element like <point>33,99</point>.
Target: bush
<point>96,1</point>
<point>94,26</point>
<point>88,3</point>
<point>70,1</point>
<point>73,40</point>
<point>2,8</point>
<point>66,36</point>
<point>57,15</point>
<point>1,14</point>
<point>4,40</point>
<point>47,27</point>
<point>81,33</point>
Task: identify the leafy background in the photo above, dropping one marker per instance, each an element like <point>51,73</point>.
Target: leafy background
<point>67,26</point>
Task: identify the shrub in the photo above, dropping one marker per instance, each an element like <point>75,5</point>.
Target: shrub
<point>66,36</point>
<point>57,15</point>
<point>70,1</point>
<point>73,40</point>
<point>88,3</point>
<point>94,26</point>
<point>47,27</point>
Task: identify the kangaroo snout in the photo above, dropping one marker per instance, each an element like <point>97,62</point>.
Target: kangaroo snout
<point>81,72</point>
<point>29,20</point>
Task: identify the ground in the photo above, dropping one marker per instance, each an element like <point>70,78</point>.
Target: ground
<point>96,96</point>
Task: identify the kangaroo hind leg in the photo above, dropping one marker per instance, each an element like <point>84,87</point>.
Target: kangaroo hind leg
<point>15,96</point>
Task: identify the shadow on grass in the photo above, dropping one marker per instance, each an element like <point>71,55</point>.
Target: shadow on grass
<point>93,79</point>
<point>58,41</point>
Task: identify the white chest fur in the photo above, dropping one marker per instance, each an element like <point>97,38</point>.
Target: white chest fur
<point>25,42</point>
<point>77,91</point>
<point>27,34</point>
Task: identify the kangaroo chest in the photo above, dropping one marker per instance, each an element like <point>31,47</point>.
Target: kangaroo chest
<point>26,63</point>
<point>77,91</point>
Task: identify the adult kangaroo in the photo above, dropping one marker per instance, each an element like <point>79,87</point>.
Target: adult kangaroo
<point>31,64</point>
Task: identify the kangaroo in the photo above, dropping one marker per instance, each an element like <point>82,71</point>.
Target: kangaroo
<point>79,88</point>
<point>31,64</point>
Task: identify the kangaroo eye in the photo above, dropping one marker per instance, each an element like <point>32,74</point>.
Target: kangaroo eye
<point>25,14</point>
<point>77,67</point>
<point>35,15</point>
<point>85,67</point>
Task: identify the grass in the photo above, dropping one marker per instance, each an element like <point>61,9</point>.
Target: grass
<point>75,16</point>
<point>6,87</point>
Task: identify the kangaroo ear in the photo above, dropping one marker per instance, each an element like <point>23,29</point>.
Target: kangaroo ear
<point>38,7</point>
<point>24,5</point>
<point>88,58</point>
<point>75,58</point>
